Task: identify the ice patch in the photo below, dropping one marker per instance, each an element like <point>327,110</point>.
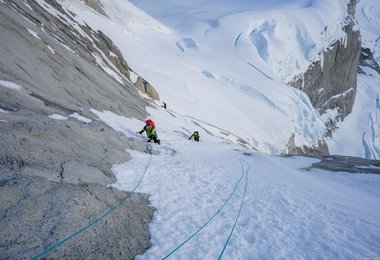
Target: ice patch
<point>3,111</point>
<point>133,76</point>
<point>27,5</point>
<point>51,49</point>
<point>10,85</point>
<point>33,33</point>
<point>260,42</point>
<point>81,118</point>
<point>189,43</point>
<point>208,74</point>
<point>58,117</point>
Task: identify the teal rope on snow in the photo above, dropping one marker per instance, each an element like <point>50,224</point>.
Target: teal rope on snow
<point>237,217</point>
<point>208,221</point>
<point>98,219</point>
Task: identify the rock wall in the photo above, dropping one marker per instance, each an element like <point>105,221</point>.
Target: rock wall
<point>145,87</point>
<point>320,148</point>
<point>331,81</point>
<point>53,173</point>
<point>367,60</point>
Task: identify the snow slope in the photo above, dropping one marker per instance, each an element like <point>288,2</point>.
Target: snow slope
<point>224,66</point>
<point>215,199</point>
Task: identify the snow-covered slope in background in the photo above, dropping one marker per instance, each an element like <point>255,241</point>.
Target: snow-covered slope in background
<point>225,67</point>
<point>359,134</point>
<point>225,63</point>
<point>368,15</point>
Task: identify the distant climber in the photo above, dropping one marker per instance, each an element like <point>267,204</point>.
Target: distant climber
<point>150,132</point>
<point>164,105</point>
<point>195,135</point>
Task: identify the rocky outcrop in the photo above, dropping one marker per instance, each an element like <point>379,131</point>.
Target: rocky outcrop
<point>96,5</point>
<point>55,154</point>
<point>348,164</point>
<point>36,214</point>
<point>331,81</point>
<point>367,60</point>
<point>144,86</point>
<point>320,148</point>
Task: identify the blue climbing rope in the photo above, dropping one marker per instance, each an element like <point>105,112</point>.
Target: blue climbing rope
<point>101,217</point>
<point>208,221</point>
<point>237,217</point>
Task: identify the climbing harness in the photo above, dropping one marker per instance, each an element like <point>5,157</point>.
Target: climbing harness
<point>149,150</point>
<point>215,214</point>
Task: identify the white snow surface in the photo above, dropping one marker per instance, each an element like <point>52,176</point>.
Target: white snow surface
<point>10,85</point>
<point>359,133</point>
<point>368,16</point>
<point>81,118</point>
<point>287,211</point>
<point>58,117</point>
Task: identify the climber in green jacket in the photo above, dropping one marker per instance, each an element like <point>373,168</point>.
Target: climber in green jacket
<point>151,133</point>
<point>195,135</point>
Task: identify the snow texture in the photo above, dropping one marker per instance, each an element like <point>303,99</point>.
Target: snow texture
<point>10,85</point>
<point>58,117</point>
<point>81,118</point>
<point>288,211</point>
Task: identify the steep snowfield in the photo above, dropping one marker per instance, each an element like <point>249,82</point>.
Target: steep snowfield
<point>224,66</point>
<point>216,199</point>
<point>358,135</point>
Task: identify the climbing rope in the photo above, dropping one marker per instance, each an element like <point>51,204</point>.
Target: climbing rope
<point>210,219</point>
<point>241,206</point>
<point>149,150</point>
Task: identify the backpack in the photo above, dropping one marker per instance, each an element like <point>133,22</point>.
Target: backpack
<point>150,122</point>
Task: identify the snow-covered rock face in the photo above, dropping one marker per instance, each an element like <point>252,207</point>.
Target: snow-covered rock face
<point>331,80</point>
<point>219,65</point>
<point>55,154</point>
